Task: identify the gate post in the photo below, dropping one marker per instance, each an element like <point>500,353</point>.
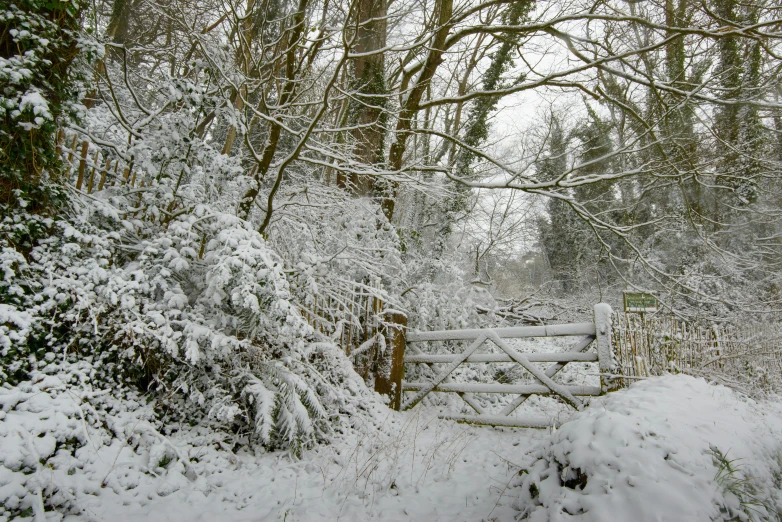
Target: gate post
<point>391,371</point>
<point>605,348</point>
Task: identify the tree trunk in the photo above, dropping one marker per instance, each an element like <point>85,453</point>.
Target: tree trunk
<point>367,110</point>
<point>410,108</point>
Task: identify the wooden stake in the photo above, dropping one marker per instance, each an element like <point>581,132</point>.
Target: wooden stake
<point>72,149</point>
<point>203,246</point>
<point>92,173</point>
<point>103,175</point>
<point>114,177</point>
<point>82,164</point>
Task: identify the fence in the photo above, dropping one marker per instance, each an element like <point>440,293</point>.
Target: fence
<point>90,167</point>
<point>368,330</point>
<point>747,357</point>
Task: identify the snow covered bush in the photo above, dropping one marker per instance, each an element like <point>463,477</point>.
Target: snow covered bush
<point>166,344</point>
<point>198,313</point>
<point>668,448</point>
<point>57,424</point>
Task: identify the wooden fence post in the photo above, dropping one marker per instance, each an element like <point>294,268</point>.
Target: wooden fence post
<point>605,348</point>
<point>92,172</point>
<point>103,175</point>
<point>72,149</point>
<point>82,163</point>
<point>391,370</point>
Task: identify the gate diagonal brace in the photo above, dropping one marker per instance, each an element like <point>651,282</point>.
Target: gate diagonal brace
<point>551,371</point>
<point>542,377</point>
<point>445,373</point>
<point>469,398</point>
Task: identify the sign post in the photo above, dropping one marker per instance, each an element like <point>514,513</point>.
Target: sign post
<point>640,302</point>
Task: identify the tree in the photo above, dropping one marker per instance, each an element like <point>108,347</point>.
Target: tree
<point>38,46</point>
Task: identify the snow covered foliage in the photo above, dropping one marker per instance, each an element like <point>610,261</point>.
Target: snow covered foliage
<point>207,326</point>
<point>56,425</point>
<point>340,251</point>
<point>669,448</point>
<point>72,446</point>
<point>38,44</point>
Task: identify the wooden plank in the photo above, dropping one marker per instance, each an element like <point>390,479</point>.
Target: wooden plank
<point>469,398</point>
<point>525,389</point>
<point>556,330</point>
<point>561,357</point>
<point>494,420</point>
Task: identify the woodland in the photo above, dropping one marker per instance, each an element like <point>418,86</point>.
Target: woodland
<point>219,209</point>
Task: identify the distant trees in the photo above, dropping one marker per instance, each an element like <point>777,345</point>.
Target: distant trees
<point>681,194</point>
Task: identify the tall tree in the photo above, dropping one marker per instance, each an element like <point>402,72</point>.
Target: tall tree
<point>367,115</point>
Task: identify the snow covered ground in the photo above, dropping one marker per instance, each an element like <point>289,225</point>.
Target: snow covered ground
<point>670,448</point>
<point>418,468</point>
<point>412,467</point>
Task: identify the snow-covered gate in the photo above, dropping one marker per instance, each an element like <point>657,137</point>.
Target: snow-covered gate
<point>597,333</point>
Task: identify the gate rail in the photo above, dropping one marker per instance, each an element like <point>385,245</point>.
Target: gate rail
<point>597,333</point>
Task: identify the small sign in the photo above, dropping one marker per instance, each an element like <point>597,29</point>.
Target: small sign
<point>640,302</point>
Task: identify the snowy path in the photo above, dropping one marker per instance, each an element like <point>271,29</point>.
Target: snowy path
<point>420,469</point>
<point>671,448</point>
<point>405,466</point>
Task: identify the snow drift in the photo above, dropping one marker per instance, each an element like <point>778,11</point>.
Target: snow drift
<point>669,448</point>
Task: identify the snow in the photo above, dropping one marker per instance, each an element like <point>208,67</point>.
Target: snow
<point>419,468</point>
<point>33,100</point>
<point>660,451</point>
<point>388,466</point>
<point>668,448</point>
<point>9,315</point>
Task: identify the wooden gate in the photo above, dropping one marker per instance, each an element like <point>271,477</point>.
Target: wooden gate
<point>595,333</point>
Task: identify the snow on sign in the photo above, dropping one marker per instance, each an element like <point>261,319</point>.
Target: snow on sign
<point>640,302</point>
